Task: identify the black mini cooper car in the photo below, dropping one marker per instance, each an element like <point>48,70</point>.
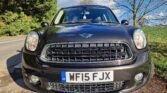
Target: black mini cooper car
<point>86,50</point>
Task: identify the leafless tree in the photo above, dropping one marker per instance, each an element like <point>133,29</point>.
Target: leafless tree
<point>140,8</point>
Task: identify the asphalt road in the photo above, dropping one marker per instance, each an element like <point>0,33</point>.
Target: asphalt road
<point>10,58</point>
<point>10,72</point>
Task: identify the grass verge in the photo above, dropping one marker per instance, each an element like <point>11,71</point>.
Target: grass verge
<point>157,37</point>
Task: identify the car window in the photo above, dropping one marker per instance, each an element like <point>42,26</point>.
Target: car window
<point>59,16</point>
<point>86,14</point>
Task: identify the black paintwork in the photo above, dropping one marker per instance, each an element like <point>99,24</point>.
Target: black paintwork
<point>101,32</point>
<point>108,32</point>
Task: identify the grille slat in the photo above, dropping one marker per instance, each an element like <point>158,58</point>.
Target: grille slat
<point>86,52</point>
<point>88,88</point>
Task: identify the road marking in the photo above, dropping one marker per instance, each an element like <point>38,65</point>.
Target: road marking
<point>11,41</point>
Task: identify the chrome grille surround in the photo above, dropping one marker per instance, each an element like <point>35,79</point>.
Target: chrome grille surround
<point>87,87</point>
<point>74,52</point>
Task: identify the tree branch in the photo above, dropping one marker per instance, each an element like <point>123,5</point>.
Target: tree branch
<point>131,10</point>
<point>144,10</point>
<point>150,10</point>
<point>139,5</point>
<point>131,3</point>
<point>156,7</point>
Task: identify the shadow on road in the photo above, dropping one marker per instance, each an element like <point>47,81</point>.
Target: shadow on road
<point>14,68</point>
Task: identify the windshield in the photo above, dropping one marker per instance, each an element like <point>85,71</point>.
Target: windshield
<point>85,14</point>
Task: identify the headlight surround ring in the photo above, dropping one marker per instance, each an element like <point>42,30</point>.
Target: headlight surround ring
<point>139,39</point>
<point>32,41</point>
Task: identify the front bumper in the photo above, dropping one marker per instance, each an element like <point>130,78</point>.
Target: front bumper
<point>126,73</point>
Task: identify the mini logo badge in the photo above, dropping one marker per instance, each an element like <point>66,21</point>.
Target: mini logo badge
<point>86,35</point>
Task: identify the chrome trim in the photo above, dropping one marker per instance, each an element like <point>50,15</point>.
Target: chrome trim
<point>119,61</point>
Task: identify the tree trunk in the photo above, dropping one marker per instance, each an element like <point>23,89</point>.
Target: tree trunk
<point>134,12</point>
<point>134,19</point>
<point>5,5</point>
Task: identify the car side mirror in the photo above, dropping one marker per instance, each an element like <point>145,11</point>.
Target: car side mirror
<point>44,24</point>
<point>125,22</point>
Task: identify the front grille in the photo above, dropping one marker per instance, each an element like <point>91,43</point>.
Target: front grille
<point>88,88</point>
<point>85,52</point>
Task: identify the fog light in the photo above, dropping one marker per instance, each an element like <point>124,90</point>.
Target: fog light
<point>139,77</point>
<point>49,88</point>
<point>34,79</point>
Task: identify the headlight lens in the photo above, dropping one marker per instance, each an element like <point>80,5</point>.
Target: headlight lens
<point>139,39</point>
<point>32,41</point>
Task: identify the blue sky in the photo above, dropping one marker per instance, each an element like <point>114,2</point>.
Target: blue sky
<point>121,13</point>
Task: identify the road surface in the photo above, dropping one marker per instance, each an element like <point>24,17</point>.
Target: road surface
<point>10,58</point>
<point>11,78</point>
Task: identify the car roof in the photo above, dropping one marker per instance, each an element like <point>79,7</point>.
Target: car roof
<point>86,6</point>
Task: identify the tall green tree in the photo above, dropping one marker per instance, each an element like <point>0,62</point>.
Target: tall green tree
<point>21,16</point>
<point>41,9</point>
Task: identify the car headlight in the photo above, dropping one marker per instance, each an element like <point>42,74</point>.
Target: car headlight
<point>139,39</point>
<point>32,41</point>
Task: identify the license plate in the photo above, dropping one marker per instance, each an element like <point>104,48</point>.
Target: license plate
<point>87,77</point>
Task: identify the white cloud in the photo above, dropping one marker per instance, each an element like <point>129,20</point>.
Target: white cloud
<point>162,14</point>
<point>156,16</point>
<point>110,3</point>
<point>105,2</point>
<point>67,3</point>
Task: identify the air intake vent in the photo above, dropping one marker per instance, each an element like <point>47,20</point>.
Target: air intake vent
<point>85,52</point>
<point>89,88</point>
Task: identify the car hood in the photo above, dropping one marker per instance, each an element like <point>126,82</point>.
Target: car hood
<point>88,33</point>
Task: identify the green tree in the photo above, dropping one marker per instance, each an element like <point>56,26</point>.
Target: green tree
<point>17,17</point>
<point>41,9</point>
